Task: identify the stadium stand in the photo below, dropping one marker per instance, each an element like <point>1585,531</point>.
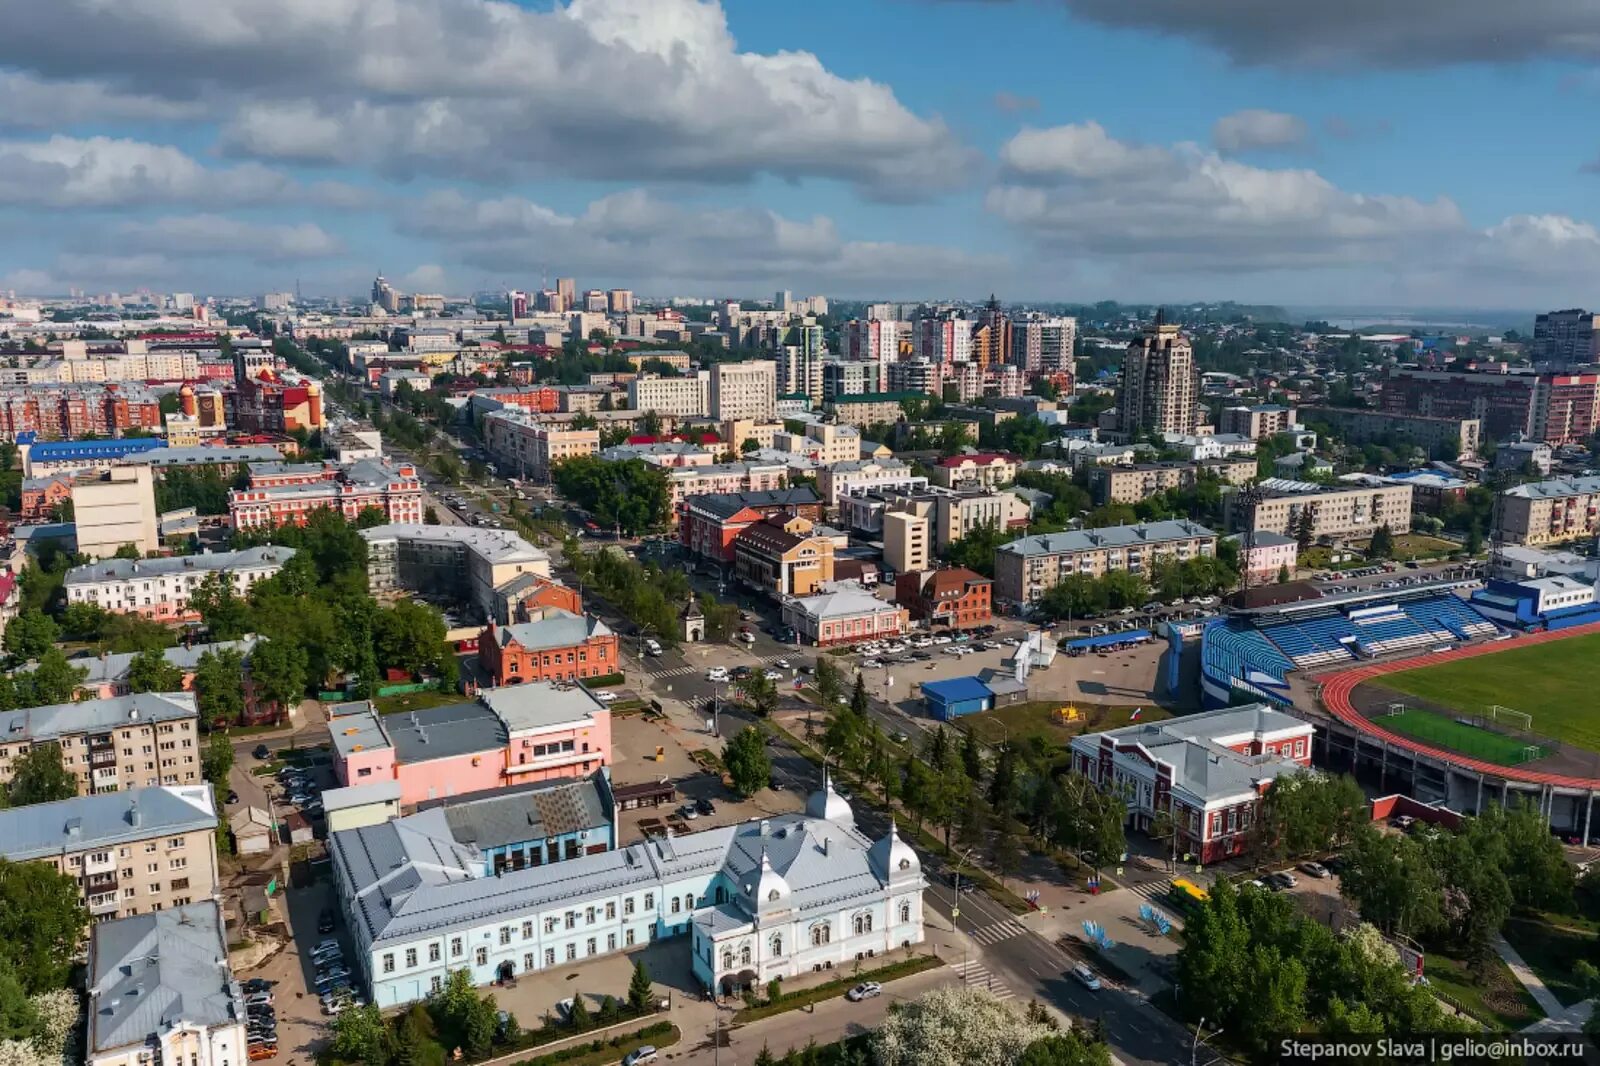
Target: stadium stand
<point>1234,656</point>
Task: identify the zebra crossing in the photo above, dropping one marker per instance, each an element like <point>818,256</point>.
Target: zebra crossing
<point>990,935</point>
<point>975,974</point>
<point>687,670</point>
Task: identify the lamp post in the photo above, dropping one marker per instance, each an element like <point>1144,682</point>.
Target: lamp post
<point>955,910</point>
<point>1200,1039</point>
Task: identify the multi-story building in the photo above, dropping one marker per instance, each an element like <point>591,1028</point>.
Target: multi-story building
<point>115,508</point>
<point>821,442</point>
<point>908,543</point>
<point>870,409</point>
<point>987,470</point>
<point>719,478</point>
<point>849,378</point>
<point>1207,446</point>
<point>1258,421</point>
<point>535,731</point>
<point>954,514</point>
<point>286,493</point>
<point>945,338</point>
<point>107,676</point>
<point>1160,383</point>
<point>872,342</point>
<point>923,378</point>
<point>274,402</point>
<point>1267,556</point>
<point>1553,407</point>
<point>69,411</point>
<point>1026,569</point>
<point>1207,772</point>
<point>759,901</point>
<point>956,597</point>
<point>471,565</point>
<point>619,301</point>
<point>744,390</point>
<point>148,849</point>
<point>685,397</point>
<point>845,615</point>
<point>550,645</point>
<point>1550,512</point>
<point>177,959</point>
<point>111,744</point>
<point>42,495</point>
<point>709,523</point>
<point>854,477</point>
<point>1565,338</point>
<point>160,588</point>
<point>1130,484</point>
<point>1441,438</point>
<point>1338,512</point>
<point>532,448</point>
<point>1043,345</point>
<point>780,556</point>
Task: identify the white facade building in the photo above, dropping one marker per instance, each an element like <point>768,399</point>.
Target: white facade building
<point>160,588</point>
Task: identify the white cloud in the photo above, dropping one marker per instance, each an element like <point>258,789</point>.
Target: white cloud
<point>612,89</point>
<point>29,102</point>
<point>1254,129</point>
<point>651,243</point>
<point>208,235</point>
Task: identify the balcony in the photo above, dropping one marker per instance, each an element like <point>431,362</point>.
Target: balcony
<point>99,884</point>
<point>103,905</point>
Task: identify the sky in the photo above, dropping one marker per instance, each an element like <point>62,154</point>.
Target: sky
<point>1431,153</point>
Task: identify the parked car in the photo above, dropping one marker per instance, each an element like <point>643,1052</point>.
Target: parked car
<point>605,696</point>
<point>325,921</point>
<point>717,673</point>
<point>233,797</point>
<point>262,752</point>
<point>688,812</point>
<point>1086,977</point>
<point>1315,869</point>
<point>705,806</point>
<point>865,990</point>
<point>640,1055</point>
<point>257,999</point>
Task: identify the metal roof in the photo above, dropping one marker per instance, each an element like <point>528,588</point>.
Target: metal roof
<point>956,689</point>
<point>537,812</point>
<point>540,705</point>
<point>555,629</point>
<point>103,819</point>
<point>94,716</point>
<point>444,732</point>
<point>1106,537</point>
<point>206,563</point>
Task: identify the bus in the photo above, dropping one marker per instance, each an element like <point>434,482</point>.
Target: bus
<point>1186,895</point>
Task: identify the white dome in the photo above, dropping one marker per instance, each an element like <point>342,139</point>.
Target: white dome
<point>892,858</point>
<point>829,805</point>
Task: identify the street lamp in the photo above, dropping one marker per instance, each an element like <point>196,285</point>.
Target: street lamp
<point>955,910</point>
<point>1194,1047</point>
<point>639,651</point>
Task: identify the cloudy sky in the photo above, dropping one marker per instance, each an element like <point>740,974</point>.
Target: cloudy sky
<point>1426,153</point>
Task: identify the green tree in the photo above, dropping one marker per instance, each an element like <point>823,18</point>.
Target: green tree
<point>480,1029</point>
<point>641,992</point>
<point>217,692</point>
<point>224,613</point>
<point>418,1043</point>
<point>410,636</point>
<point>1535,865</point>
<point>761,692</point>
<point>1391,882</point>
<point>218,761</point>
<point>278,673</point>
<point>578,1017</point>
<point>151,672</point>
<point>859,702</point>
<point>1003,783</point>
<point>1308,813</point>
<point>827,681</point>
<point>1073,1047</point>
<point>1473,541</point>
<point>971,757</point>
<point>746,759</point>
<point>360,1034</point>
<point>52,680</point>
<point>128,551</point>
<point>39,776</point>
<point>42,925</point>
<point>30,634</point>
<point>83,620</point>
<point>1305,524</point>
<point>19,1019</point>
<point>1382,544</point>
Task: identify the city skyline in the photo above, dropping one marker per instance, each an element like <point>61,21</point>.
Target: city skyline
<point>1125,151</point>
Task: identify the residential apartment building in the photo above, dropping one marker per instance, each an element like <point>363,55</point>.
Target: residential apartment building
<point>1565,338</point>
<point>1029,567</point>
<point>841,378</point>
<point>66,412</point>
<point>956,597</point>
<point>1258,422</point>
<point>986,470</point>
<point>858,476</point>
<point>550,645</point>
<point>1556,408</point>
<point>780,556</point>
<point>873,342</point>
<point>113,744</point>
<point>1550,512</point>
<point>721,478</point>
<point>176,958</point>
<point>945,338</point>
<point>1043,344</point>
<point>709,523</point>
<point>1131,484</point>
<point>924,378</point>
<point>1441,438</point>
<point>1270,554</point>
<point>619,301</point>
<point>160,588</point>
<point>1160,385</point>
<point>469,564</point>
<point>115,508</point>
<point>1206,772</point>
<point>685,397</point>
<point>908,543</point>
<point>1338,512</point>
<point>744,390</point>
<point>821,442</point>
<point>42,495</point>
<point>532,448</point>
<point>870,409</point>
<point>135,852</point>
<point>282,494</point>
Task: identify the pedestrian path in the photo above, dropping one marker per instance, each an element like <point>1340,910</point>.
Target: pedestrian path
<point>1154,891</point>
<point>990,935</point>
<point>1535,985</point>
<point>684,671</point>
<point>975,974</point>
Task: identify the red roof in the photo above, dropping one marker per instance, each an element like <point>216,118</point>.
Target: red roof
<point>982,459</point>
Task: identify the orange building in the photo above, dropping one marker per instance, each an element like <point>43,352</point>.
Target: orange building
<point>957,597</point>
<point>553,645</point>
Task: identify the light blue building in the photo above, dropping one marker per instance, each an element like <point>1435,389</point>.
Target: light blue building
<point>532,825</point>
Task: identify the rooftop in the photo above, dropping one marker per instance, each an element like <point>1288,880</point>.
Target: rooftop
<point>726,504</point>
<point>528,812</point>
<point>112,667</point>
<point>1106,537</point>
<point>494,545</point>
<point>205,563</point>
<point>202,455</point>
<point>540,705</point>
<point>57,720</point>
<point>149,972</point>
<point>340,799</point>
<point>1196,747</point>
<point>444,732</point>
<point>355,727</point>
<point>554,629</point>
<point>1557,488</point>
<point>843,602</point>
<point>104,819</point>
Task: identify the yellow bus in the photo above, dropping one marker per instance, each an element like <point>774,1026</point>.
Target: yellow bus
<point>1186,894</point>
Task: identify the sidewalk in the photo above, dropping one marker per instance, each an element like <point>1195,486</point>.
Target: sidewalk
<point>1531,981</point>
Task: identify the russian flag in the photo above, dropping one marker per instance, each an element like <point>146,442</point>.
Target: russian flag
<point>1137,711</point>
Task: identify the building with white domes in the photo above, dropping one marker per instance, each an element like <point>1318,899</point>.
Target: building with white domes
<point>766,898</point>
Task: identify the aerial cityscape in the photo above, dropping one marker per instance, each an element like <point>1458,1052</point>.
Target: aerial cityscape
<point>643,531</point>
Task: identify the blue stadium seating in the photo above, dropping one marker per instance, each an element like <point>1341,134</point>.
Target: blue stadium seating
<point>1232,650</point>
<point>1305,642</point>
<point>1452,615</point>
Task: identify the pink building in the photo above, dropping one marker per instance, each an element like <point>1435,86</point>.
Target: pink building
<point>508,736</point>
<point>1270,553</point>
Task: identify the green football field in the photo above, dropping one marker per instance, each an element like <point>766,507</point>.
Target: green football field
<point>1554,683</point>
<point>1444,732</point>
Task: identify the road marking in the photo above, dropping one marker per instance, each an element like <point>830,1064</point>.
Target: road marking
<point>990,935</point>
<point>975,974</point>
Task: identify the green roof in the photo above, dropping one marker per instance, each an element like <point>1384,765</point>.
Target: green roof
<point>880,397</point>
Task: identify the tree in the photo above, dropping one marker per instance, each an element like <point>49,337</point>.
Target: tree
<point>1382,544</point>
<point>578,1016</point>
<point>410,636</point>
<point>482,1020</point>
<point>1473,542</point>
<point>360,1034</point>
<point>1308,813</point>
<point>128,551</point>
<point>218,761</point>
<point>39,776</point>
<point>971,757</point>
<point>1391,882</point>
<point>761,692</point>
<point>1283,574</point>
<point>1305,525</point>
<point>747,762</point>
<point>1005,850</point>
<point>19,1019</point>
<point>151,672</point>
<point>954,1026</point>
<point>764,1057</point>
<point>225,614</point>
<point>30,634</point>
<point>53,680</point>
<point>641,992</point>
<point>1535,865</point>
<point>1071,1048</point>
<point>217,692</point>
<point>42,924</point>
<point>278,671</point>
<point>827,681</point>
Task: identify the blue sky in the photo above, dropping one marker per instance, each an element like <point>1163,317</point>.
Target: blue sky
<point>1432,153</point>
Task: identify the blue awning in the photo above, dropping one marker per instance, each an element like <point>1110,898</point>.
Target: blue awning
<point>1127,636</point>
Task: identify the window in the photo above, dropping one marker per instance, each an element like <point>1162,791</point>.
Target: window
<point>775,945</point>
<point>572,952</point>
<point>727,958</point>
<point>572,919</point>
<point>905,912</point>
<point>178,864</point>
<point>455,947</point>
<point>433,952</point>
<point>611,912</point>
<point>772,896</point>
<point>549,956</point>
<point>527,932</point>
<point>821,934</point>
<point>153,868</point>
<point>649,901</point>
<point>588,918</point>
<point>863,923</point>
<point>549,925</point>
<point>627,938</point>
<point>611,942</point>
<point>388,962</point>
<point>527,961</point>
<point>589,946</point>
<point>482,956</point>
<point>505,935</point>
<point>411,958</point>
<point>674,904</point>
<point>435,983</point>
<point>688,902</point>
<point>179,884</point>
<point>744,955</point>
<point>155,888</point>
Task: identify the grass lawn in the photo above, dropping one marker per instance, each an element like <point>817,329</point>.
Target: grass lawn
<point>1037,718</point>
<point>1543,680</point>
<point>415,701</point>
<point>1551,950</point>
<point>1493,996</point>
<point>1443,732</point>
<point>1408,546</point>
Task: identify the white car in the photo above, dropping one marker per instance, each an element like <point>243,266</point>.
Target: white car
<point>895,649</point>
<point>922,642</point>
<point>870,664</point>
<point>717,673</point>
<point>773,675</point>
<point>783,664</point>
<point>941,639</point>
<point>604,696</point>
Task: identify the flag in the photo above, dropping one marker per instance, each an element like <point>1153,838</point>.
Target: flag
<point>1134,717</point>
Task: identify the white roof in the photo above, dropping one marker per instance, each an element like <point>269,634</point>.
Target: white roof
<point>342,799</point>
<point>494,545</point>
<point>843,603</point>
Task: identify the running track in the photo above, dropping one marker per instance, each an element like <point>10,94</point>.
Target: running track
<point>1338,684</point>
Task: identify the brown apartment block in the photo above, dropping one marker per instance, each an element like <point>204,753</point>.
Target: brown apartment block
<point>957,597</point>
<point>113,744</point>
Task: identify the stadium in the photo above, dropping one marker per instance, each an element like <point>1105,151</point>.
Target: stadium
<point>1453,693</point>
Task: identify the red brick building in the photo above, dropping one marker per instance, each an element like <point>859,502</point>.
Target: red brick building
<point>708,524</point>
<point>41,496</point>
<point>70,412</point>
<point>284,493</point>
<point>553,645</point>
<point>520,599</point>
<point>957,597</point>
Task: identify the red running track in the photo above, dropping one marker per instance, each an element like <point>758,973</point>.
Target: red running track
<point>1338,684</point>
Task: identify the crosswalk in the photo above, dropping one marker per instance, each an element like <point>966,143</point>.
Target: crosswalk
<point>975,974</point>
<point>990,935</point>
<point>656,670</point>
<point>1154,891</point>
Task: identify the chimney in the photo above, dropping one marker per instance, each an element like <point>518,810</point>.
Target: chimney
<point>825,846</point>
<point>134,818</point>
